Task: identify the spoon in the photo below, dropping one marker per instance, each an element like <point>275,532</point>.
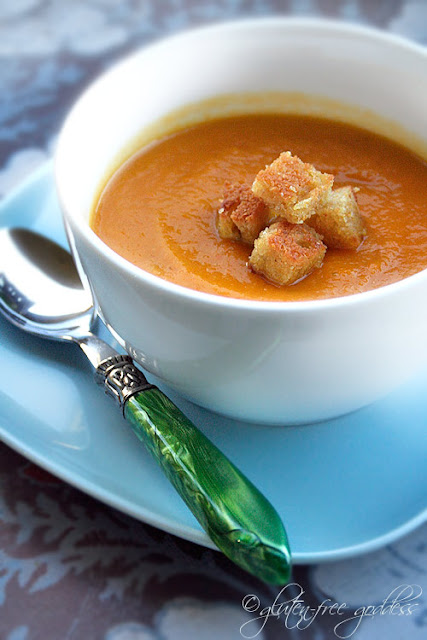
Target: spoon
<point>41,292</point>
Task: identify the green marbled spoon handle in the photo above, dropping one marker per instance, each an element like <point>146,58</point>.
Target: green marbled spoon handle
<point>234,513</point>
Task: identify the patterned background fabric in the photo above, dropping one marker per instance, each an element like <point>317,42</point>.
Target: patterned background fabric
<point>72,568</point>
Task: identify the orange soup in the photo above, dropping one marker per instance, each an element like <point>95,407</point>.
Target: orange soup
<point>158,209</point>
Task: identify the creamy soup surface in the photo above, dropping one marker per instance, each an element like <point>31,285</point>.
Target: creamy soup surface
<point>158,209</point>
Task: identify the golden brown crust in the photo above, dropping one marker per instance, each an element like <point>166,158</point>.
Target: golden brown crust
<point>339,220</point>
<point>241,215</point>
<point>291,188</point>
<point>226,228</point>
<point>284,252</point>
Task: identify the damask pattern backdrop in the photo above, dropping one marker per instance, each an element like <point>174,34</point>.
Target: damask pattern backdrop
<point>70,567</point>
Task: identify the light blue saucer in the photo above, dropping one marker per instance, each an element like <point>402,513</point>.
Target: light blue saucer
<point>342,487</point>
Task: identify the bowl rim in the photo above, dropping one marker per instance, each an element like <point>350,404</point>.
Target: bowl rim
<point>194,296</point>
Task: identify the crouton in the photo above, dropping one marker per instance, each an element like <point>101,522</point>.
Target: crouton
<point>284,252</point>
<point>291,188</point>
<point>226,228</point>
<point>241,215</point>
<point>339,220</point>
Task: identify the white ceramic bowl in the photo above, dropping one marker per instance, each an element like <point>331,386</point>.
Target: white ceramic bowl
<point>281,363</point>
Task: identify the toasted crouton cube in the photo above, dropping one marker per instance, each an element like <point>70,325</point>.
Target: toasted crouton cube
<point>285,252</point>
<point>241,215</point>
<point>291,188</point>
<point>226,228</point>
<point>339,220</point>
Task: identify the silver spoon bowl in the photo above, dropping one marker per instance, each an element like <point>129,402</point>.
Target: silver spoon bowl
<point>41,292</point>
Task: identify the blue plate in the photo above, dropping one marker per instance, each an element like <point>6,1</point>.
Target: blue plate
<point>342,487</point>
